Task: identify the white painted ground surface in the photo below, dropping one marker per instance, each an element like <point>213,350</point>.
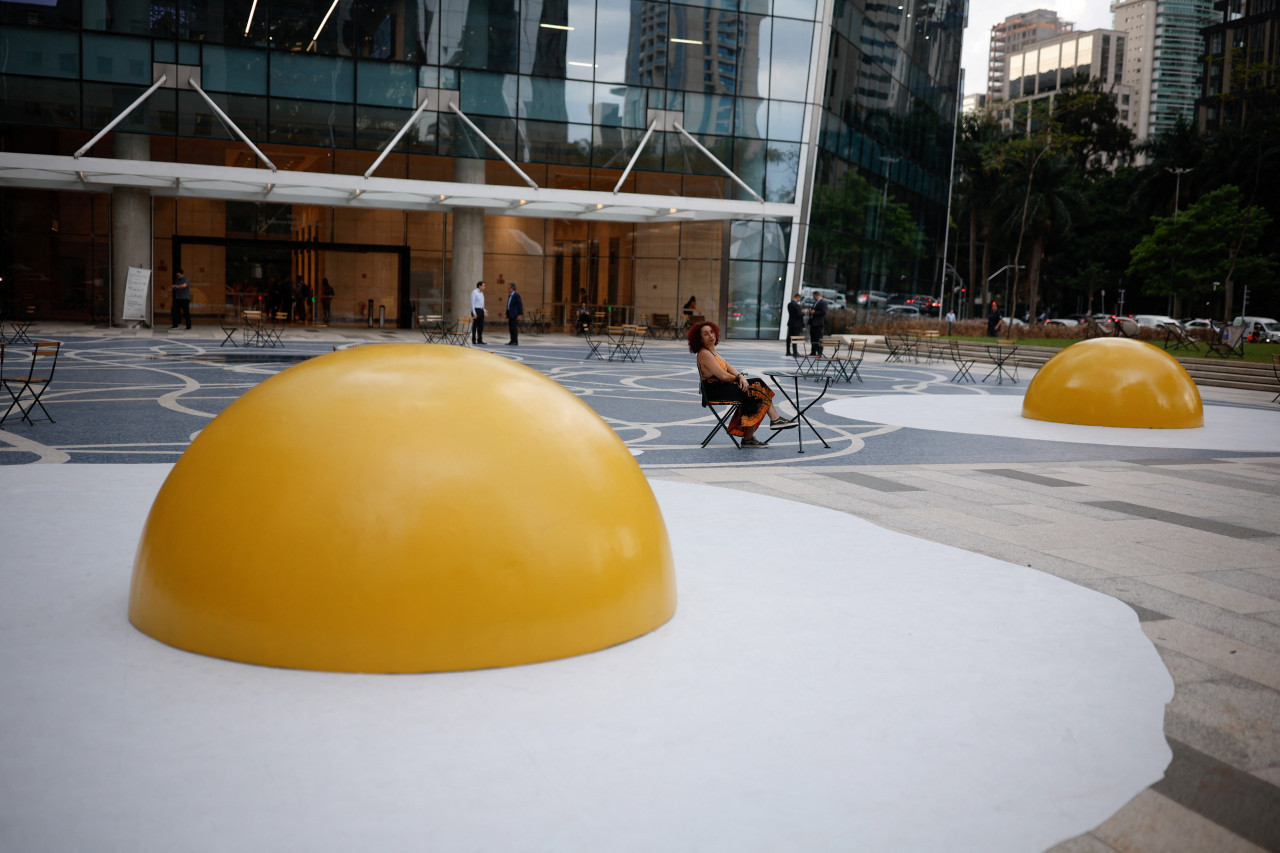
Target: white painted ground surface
<point>1225,427</point>
<point>908,696</point>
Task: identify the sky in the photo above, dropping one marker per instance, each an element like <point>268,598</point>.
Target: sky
<point>983,14</point>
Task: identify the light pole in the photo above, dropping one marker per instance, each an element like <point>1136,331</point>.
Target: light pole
<point>884,202</point>
<point>1177,189</point>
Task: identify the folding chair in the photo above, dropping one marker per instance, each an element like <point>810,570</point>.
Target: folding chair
<point>962,364</point>
<point>229,331</point>
<point>458,333</point>
<point>44,356</point>
<point>1232,343</point>
<point>1176,338</point>
<point>800,352</point>
<point>722,420</point>
<point>1275,367</point>
<point>848,362</point>
<point>594,342</point>
<point>898,346</point>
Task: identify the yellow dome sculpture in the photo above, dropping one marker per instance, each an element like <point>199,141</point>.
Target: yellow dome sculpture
<point>1115,382</point>
<point>403,508</point>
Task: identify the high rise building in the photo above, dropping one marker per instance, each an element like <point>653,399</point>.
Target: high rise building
<point>1015,34</point>
<point>1038,73</point>
<point>1162,61</point>
<point>627,152</point>
<point>1242,50</point>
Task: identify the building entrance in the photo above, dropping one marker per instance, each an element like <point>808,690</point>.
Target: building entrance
<point>370,283</point>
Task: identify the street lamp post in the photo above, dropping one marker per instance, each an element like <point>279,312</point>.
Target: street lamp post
<point>884,202</point>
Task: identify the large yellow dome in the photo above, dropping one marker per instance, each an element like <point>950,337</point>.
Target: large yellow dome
<point>1116,382</point>
<point>403,508</point>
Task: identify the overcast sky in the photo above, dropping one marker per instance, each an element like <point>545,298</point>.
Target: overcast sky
<point>983,14</point>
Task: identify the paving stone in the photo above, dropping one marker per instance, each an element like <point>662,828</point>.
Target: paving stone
<point>1224,652</point>
<point>1230,718</point>
<point>1204,589</point>
<point>1153,823</point>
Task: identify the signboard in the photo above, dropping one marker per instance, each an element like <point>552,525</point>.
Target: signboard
<point>135,294</point>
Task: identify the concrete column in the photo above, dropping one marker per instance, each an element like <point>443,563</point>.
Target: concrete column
<point>130,225</point>
<point>468,241</point>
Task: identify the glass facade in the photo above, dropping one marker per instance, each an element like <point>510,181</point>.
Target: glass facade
<point>566,88</point>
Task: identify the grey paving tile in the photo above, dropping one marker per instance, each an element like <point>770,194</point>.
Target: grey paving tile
<point>1197,586</point>
<point>1233,719</point>
<point>1257,633</point>
<point>1153,823</point>
<point>1082,844</point>
<point>1178,461</point>
<point>1219,648</point>
<point>1027,477</point>
<point>880,484</point>
<point>1239,802</point>
<point>1220,528</point>
<point>1225,479</point>
<point>1256,582</point>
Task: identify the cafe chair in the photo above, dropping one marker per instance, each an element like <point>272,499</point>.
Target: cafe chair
<point>963,365</point>
<point>723,419</point>
<point>39,373</point>
<point>229,329</point>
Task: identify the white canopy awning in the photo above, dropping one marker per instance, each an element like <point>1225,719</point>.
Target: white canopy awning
<point>190,180</point>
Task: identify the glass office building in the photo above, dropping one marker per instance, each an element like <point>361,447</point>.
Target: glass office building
<point>629,153</point>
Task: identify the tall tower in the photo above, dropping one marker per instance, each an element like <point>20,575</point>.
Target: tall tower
<point>1014,34</point>
<point>1163,64</point>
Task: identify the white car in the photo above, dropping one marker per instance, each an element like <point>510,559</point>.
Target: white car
<point>903,310</point>
<point>1154,320</point>
<point>1061,321</point>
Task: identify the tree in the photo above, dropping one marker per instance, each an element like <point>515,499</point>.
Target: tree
<point>1217,239</point>
<point>849,215</point>
<point>1087,123</point>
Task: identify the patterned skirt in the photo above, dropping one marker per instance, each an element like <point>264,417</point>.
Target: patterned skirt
<point>753,404</point>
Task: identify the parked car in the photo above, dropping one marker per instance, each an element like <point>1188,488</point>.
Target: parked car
<point>1061,321</point>
<point>873,300</point>
<point>903,311</point>
<point>928,305</point>
<point>835,298</point>
<point>1154,320</point>
<point>1264,331</point>
<point>1197,324</point>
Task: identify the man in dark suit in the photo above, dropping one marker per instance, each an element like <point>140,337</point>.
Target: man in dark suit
<point>515,310</point>
<point>817,322</point>
<point>795,322</point>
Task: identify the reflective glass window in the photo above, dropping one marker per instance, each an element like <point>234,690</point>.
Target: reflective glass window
<point>387,84</point>
<point>786,120</point>
<point>46,53</point>
<point>164,51</point>
<point>750,118</point>
<point>480,35</point>
<point>622,106</point>
<point>312,123</point>
<point>487,94</point>
<point>555,142</point>
<point>759,37</point>
<point>782,170</point>
<point>117,59</point>
<point>43,101</point>
<point>708,114</point>
<point>327,78</point>
<point>556,100</point>
<point>616,27</point>
<point>795,8</point>
<point>789,59</point>
<point>234,69</point>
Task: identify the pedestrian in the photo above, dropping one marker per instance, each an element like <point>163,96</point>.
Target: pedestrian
<point>477,314</point>
<point>515,310</point>
<point>795,323</point>
<point>326,297</point>
<point>181,309</point>
<point>995,321</point>
<point>951,318</point>
<point>817,322</point>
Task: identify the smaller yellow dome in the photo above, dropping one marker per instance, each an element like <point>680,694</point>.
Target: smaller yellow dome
<point>1115,382</point>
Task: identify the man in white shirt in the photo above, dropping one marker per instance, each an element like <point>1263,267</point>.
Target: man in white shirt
<point>477,314</point>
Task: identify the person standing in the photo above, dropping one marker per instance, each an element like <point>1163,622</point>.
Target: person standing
<point>995,320</point>
<point>817,322</point>
<point>515,310</point>
<point>181,309</point>
<point>477,314</point>
<point>326,297</point>
<point>795,322</point>
<point>951,318</point>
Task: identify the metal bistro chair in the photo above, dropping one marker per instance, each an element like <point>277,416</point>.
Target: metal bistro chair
<point>229,329</point>
<point>44,358</point>
<point>722,419</point>
<point>963,365</point>
<point>1275,367</point>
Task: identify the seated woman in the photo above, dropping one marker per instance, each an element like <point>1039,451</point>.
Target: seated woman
<point>727,385</point>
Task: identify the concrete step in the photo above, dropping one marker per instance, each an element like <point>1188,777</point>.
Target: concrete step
<point>1210,372</point>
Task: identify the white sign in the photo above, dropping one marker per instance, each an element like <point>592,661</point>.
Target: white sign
<point>135,294</point>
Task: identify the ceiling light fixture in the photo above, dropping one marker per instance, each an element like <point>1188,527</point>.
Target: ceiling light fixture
<point>249,23</point>
<point>316,37</point>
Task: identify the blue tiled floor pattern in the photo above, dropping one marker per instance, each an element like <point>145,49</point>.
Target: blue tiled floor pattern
<point>143,400</point>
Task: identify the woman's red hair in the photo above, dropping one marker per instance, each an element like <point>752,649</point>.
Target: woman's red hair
<point>695,334</point>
